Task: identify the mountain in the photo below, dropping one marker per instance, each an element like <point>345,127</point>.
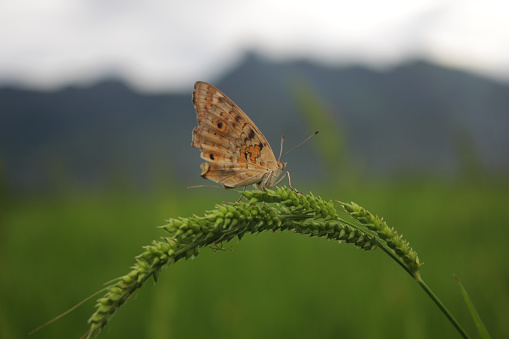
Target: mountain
<point>417,117</point>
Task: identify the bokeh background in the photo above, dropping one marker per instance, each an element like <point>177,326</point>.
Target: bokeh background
<point>412,103</point>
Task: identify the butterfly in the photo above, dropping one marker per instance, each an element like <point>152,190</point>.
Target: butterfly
<point>235,151</point>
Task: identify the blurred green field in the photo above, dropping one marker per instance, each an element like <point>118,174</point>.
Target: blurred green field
<point>57,250</point>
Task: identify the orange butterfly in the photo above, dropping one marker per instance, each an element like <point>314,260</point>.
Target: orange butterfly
<point>235,151</point>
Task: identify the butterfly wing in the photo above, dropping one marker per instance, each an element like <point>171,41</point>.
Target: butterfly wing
<point>235,150</point>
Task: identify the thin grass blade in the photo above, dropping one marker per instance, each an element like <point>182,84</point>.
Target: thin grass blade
<point>481,329</point>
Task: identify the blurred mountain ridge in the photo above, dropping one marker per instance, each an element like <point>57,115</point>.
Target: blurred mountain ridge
<point>415,117</point>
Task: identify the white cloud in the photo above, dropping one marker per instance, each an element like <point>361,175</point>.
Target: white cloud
<point>473,35</point>
<point>158,44</point>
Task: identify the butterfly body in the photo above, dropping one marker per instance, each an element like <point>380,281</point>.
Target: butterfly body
<point>235,151</point>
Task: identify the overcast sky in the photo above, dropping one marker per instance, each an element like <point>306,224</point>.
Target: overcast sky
<point>167,45</point>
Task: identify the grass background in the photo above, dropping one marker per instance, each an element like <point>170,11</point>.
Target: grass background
<point>55,250</point>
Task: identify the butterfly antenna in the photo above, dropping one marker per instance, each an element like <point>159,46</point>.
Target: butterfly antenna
<point>281,149</point>
<point>302,143</point>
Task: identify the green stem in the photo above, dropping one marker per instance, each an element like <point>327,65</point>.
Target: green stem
<point>398,249</point>
<point>417,277</point>
<point>440,305</point>
<point>426,288</point>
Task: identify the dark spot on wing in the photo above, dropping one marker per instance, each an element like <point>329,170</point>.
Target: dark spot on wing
<point>251,134</point>
<point>221,125</point>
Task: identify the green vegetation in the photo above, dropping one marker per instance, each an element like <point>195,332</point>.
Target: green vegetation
<point>57,250</point>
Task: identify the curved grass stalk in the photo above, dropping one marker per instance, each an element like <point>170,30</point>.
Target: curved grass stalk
<point>279,209</point>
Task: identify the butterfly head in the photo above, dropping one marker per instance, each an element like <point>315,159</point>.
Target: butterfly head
<point>276,173</point>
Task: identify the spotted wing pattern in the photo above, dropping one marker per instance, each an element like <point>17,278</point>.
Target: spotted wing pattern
<point>235,151</point>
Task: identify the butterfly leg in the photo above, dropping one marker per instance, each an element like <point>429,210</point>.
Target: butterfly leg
<point>264,184</point>
<point>287,174</point>
<point>241,196</point>
<point>290,183</point>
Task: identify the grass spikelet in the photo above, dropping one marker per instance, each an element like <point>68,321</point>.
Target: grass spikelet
<point>388,236</point>
<point>272,210</point>
<point>281,209</point>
